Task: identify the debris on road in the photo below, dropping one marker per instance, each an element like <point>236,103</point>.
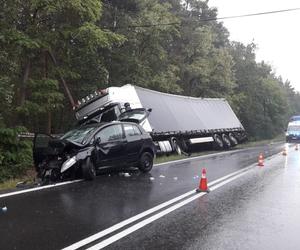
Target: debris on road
<point>4,209</point>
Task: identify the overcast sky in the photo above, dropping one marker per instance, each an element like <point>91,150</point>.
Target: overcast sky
<point>276,35</point>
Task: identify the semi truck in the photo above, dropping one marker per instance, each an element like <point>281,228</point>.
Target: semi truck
<point>176,123</point>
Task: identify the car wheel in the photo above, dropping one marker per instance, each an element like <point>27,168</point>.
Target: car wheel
<point>218,142</point>
<point>146,162</point>
<point>227,143</point>
<point>88,170</point>
<point>233,140</point>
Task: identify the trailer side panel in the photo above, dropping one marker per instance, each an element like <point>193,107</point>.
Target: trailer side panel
<point>181,113</point>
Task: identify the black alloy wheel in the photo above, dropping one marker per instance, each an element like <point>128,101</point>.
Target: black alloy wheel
<point>146,162</point>
<point>88,170</point>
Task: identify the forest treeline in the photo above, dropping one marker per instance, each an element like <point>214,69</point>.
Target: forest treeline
<point>174,46</point>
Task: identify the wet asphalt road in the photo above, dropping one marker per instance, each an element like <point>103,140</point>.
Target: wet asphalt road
<point>58,217</point>
<point>258,211</point>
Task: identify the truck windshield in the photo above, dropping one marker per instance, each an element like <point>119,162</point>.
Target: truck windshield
<point>293,128</point>
<point>78,135</point>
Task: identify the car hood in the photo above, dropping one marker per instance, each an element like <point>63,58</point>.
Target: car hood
<point>47,146</point>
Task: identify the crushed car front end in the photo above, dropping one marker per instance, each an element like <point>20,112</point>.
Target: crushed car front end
<point>59,158</point>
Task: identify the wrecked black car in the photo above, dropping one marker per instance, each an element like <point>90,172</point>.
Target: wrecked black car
<point>81,152</point>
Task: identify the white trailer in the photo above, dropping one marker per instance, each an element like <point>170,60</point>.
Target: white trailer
<point>176,122</point>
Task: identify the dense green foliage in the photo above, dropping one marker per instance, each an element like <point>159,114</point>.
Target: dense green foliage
<point>15,154</point>
<point>167,45</point>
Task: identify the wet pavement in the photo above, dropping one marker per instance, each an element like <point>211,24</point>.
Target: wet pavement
<point>257,211</point>
<point>58,217</point>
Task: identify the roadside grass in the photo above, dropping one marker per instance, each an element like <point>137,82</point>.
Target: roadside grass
<point>250,143</point>
<point>10,184</point>
<point>30,175</point>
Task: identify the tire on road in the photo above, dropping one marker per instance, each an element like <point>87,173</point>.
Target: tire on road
<point>175,146</point>
<point>232,139</point>
<point>146,162</point>
<point>226,140</point>
<point>219,144</point>
<point>88,170</point>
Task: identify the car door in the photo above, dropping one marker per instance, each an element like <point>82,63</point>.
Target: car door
<point>40,147</point>
<point>110,143</point>
<point>134,142</point>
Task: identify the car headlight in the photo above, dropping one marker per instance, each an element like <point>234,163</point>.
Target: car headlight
<point>67,164</point>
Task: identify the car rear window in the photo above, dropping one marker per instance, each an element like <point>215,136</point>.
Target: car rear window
<point>131,130</point>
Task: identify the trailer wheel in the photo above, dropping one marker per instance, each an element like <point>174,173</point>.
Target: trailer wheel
<point>218,141</point>
<point>184,148</point>
<point>88,170</point>
<point>227,143</point>
<point>175,146</point>
<point>233,140</point>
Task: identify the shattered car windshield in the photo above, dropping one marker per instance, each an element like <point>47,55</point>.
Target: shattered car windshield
<point>78,135</point>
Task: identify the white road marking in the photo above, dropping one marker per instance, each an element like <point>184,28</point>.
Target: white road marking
<point>126,222</point>
<point>149,220</point>
<point>210,155</point>
<point>201,157</point>
<point>115,227</point>
<point>38,188</point>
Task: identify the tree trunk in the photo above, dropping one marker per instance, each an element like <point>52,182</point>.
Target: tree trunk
<point>65,86</point>
<point>24,83</point>
<point>49,131</point>
<point>49,121</point>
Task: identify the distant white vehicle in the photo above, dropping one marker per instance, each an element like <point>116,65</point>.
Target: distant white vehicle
<point>176,123</point>
<point>293,131</point>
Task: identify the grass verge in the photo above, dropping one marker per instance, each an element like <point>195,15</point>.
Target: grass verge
<point>250,143</point>
<point>12,183</point>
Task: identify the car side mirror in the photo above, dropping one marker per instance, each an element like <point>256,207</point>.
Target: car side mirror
<point>98,141</point>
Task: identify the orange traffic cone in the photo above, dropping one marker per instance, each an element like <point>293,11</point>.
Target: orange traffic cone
<point>284,152</point>
<point>203,183</point>
<point>260,160</point>
<point>296,147</point>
